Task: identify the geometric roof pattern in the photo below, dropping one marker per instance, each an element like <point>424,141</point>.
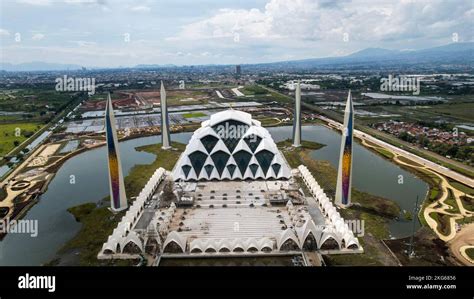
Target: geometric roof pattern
<point>231,145</point>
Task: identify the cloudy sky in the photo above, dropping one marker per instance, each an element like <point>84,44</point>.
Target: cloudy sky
<point>110,33</point>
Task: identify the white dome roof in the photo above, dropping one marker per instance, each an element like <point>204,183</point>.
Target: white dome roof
<point>231,145</point>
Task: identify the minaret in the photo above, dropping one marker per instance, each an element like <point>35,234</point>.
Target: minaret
<point>344,174</point>
<point>297,117</point>
<point>118,198</point>
<point>165,131</point>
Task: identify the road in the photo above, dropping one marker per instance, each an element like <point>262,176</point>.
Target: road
<point>435,167</point>
<point>237,92</point>
<point>435,156</point>
<point>415,149</point>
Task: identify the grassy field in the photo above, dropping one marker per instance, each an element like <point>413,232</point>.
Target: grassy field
<point>470,253</point>
<point>308,145</point>
<point>386,153</point>
<point>34,102</point>
<point>178,97</point>
<point>199,85</point>
<point>194,114</point>
<point>468,203</point>
<point>443,222</point>
<point>451,201</point>
<point>3,194</point>
<point>253,90</point>
<point>8,136</point>
<point>409,162</point>
<point>461,187</point>
<point>461,111</point>
<point>140,174</point>
<point>98,222</point>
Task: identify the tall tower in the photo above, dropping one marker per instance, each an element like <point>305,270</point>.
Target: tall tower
<point>344,174</point>
<point>238,70</point>
<point>165,131</point>
<point>297,117</point>
<point>118,198</point>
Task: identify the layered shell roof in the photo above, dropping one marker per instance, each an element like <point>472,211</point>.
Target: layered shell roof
<point>231,145</point>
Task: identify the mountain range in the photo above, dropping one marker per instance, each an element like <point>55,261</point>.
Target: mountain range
<point>455,53</point>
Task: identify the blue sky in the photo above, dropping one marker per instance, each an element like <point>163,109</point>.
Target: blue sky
<point>107,33</point>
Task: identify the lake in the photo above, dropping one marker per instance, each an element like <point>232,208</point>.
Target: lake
<point>88,171</point>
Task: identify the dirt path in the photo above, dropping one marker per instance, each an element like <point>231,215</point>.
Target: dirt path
<point>461,240</point>
<point>464,239</point>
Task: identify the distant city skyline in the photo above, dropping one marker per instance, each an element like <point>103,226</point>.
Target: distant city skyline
<point>101,33</point>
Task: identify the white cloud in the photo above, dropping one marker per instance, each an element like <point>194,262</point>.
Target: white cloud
<point>82,43</point>
<point>100,2</point>
<point>325,20</point>
<point>4,32</point>
<point>37,36</point>
<point>215,32</point>
<point>226,23</point>
<point>35,2</point>
<point>49,2</point>
<point>141,8</point>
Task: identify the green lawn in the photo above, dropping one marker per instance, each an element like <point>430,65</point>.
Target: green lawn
<point>451,201</point>
<point>409,162</point>
<point>461,187</point>
<point>462,111</point>
<point>386,153</point>
<point>194,114</point>
<point>8,135</point>
<point>468,203</point>
<point>140,174</point>
<point>470,253</point>
<point>177,97</point>
<point>307,145</point>
<point>253,90</point>
<point>35,100</point>
<point>443,222</point>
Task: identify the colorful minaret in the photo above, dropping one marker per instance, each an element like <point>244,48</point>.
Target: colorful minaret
<point>165,131</point>
<point>297,117</point>
<point>344,174</point>
<point>118,198</point>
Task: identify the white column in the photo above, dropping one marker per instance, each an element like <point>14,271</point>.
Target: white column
<point>297,117</point>
<point>165,133</point>
<point>118,197</point>
<point>344,174</point>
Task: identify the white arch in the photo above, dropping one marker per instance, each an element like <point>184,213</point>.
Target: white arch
<point>132,237</point>
<point>285,236</point>
<point>176,237</point>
